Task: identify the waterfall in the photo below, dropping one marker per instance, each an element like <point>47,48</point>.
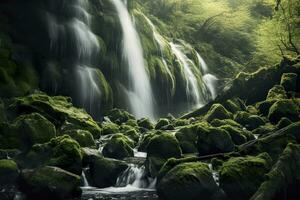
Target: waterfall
<point>135,177</point>
<point>72,42</point>
<point>139,91</point>
<point>192,86</point>
<point>84,179</point>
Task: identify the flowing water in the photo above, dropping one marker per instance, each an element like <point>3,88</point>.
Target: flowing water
<point>139,91</point>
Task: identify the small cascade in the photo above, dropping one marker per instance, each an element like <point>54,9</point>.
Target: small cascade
<point>215,174</point>
<point>84,179</point>
<point>139,90</point>
<point>192,85</point>
<point>135,177</point>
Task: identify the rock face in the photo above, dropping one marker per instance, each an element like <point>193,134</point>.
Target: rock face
<point>50,183</point>
<point>118,147</point>
<point>159,149</point>
<point>191,181</point>
<point>9,172</point>
<point>104,172</point>
<point>214,140</point>
<point>240,177</point>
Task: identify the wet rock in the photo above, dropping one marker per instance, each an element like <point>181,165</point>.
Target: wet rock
<point>240,177</point>
<point>50,183</point>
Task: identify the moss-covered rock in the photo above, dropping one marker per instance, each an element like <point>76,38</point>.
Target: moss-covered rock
<point>145,123</point>
<point>217,111</point>
<point>265,129</point>
<point>110,128</point>
<point>283,108</point>
<point>284,122</point>
<point>50,183</point>
<point>264,106</point>
<point>104,172</point>
<point>133,135</point>
<point>188,181</point>
<point>62,152</point>
<point>181,122</point>
<point>248,120</point>
<point>240,177</point>
<point>234,105</point>
<point>236,134</point>
<point>289,81</point>
<point>25,131</point>
<point>58,110</point>
<point>214,140</point>
<point>276,93</point>
<point>159,150</point>
<point>146,140</point>
<point>119,116</point>
<point>118,147</point>
<point>187,137</point>
<point>162,123</point>
<point>282,182</point>
<point>83,137</point>
<point>218,123</point>
<point>9,172</point>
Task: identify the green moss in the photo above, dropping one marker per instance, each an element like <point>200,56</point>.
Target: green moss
<point>284,108</point>
<point>161,123</point>
<point>132,123</point>
<point>146,140</point>
<point>9,172</point>
<point>50,183</point>
<point>214,140</point>
<point>289,81</point>
<point>188,181</point>
<point>248,120</point>
<point>276,93</point>
<point>217,111</point>
<point>133,135</point>
<point>145,123</point>
<point>240,177</point>
<point>104,172</point>
<point>236,134</point>
<point>187,137</point>
<point>181,122</point>
<point>109,128</point>
<point>265,106</point>
<point>218,123</point>
<point>265,129</point>
<point>58,110</point>
<point>284,122</point>
<point>119,116</point>
<point>234,105</point>
<point>282,180</point>
<point>118,147</point>
<point>83,137</point>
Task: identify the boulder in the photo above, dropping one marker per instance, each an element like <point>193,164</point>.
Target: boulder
<point>83,137</point>
<point>248,120</point>
<point>57,109</point>
<point>25,131</point>
<point>213,140</point>
<point>110,128</point>
<point>9,172</point>
<point>187,138</point>
<point>276,93</point>
<point>50,183</point>
<point>118,147</point>
<point>133,135</point>
<point>284,108</point>
<point>218,123</point>
<point>240,177</point>
<point>234,105</point>
<point>217,111</point>
<point>284,122</point>
<point>191,181</point>
<point>119,116</point>
<point>145,123</point>
<point>264,107</point>
<point>62,152</point>
<point>159,150</point>
<point>146,140</point>
<point>236,134</point>
<point>162,123</point>
<point>104,172</point>
<point>289,81</point>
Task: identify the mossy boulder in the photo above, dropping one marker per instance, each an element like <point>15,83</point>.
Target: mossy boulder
<point>57,109</point>
<point>236,134</point>
<point>217,111</point>
<point>133,135</point>
<point>248,120</point>
<point>265,129</point>
<point>25,131</point>
<point>110,128</point>
<point>187,137</point>
<point>240,177</point>
<point>118,147</point>
<point>276,93</point>
<point>289,81</point>
<point>9,172</point>
<point>181,122</point>
<point>104,172</point>
<point>218,123</point>
<point>145,140</point>
<point>83,137</point>
<point>119,116</point>
<point>264,107</point>
<point>159,150</point>
<point>234,105</point>
<point>188,181</point>
<point>62,152</point>
<point>50,183</point>
<point>284,122</point>
<point>282,182</point>
<point>213,140</point>
<point>145,123</point>
<point>162,123</point>
<point>284,108</point>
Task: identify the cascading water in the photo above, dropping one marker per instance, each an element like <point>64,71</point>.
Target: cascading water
<point>192,86</point>
<point>139,91</point>
<point>72,41</point>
